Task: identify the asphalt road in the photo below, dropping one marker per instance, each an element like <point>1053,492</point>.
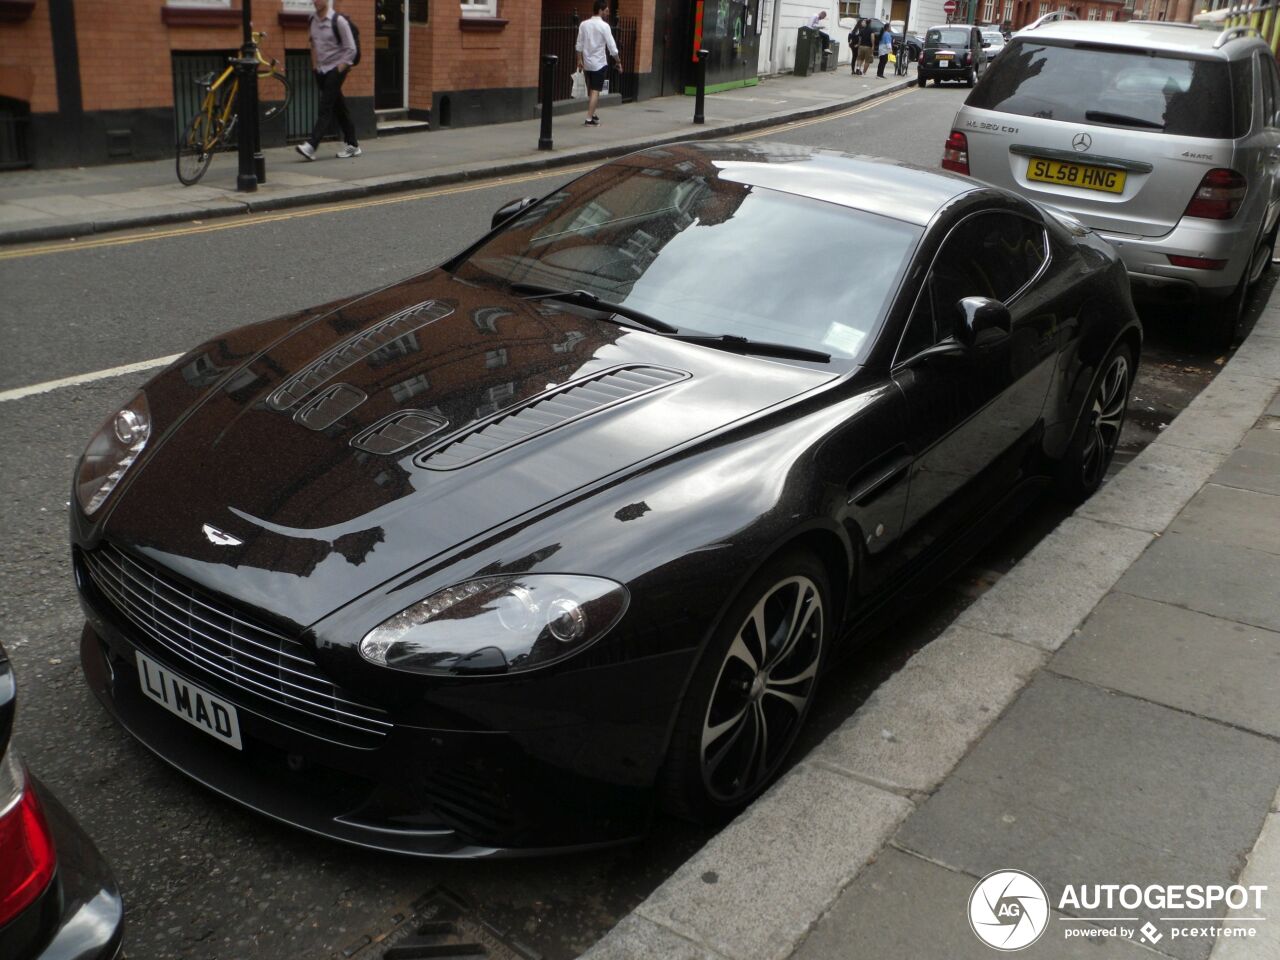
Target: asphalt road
<point>202,879</point>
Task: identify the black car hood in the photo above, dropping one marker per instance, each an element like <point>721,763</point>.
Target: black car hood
<point>307,521</point>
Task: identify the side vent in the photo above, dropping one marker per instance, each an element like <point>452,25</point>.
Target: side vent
<point>400,431</point>
<point>330,407</point>
<point>548,411</point>
<point>354,349</point>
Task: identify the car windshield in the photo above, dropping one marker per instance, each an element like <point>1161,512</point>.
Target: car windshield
<point>1139,89</point>
<point>688,246</point>
<point>950,37</point>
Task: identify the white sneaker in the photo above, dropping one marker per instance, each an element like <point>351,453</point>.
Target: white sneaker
<point>348,151</point>
<point>307,150</point>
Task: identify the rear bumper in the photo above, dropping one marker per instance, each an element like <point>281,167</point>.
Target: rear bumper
<point>933,71</point>
<point>1150,272</point>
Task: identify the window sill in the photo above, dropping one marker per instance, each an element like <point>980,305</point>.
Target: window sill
<point>15,11</point>
<point>483,24</point>
<point>294,18</point>
<point>200,16</point>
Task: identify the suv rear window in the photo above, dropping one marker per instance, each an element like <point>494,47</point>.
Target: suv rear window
<point>1119,87</point>
<point>954,37</point>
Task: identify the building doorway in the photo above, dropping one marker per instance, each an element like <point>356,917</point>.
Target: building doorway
<point>388,55</point>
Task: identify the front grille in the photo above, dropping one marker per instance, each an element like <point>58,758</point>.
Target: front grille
<point>212,640</point>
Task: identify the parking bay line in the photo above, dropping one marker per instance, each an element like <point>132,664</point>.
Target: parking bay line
<point>19,392</point>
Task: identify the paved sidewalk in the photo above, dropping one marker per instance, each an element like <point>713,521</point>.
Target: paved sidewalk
<point>53,204</point>
<point>1109,713</point>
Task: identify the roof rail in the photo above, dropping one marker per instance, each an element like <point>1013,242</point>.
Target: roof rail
<point>1050,18</point>
<point>1234,33</point>
<point>1165,23</point>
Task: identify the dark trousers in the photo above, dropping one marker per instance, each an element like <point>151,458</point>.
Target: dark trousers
<point>333,105</point>
<point>880,68</point>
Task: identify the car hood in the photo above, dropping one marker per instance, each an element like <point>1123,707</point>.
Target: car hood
<point>281,489</point>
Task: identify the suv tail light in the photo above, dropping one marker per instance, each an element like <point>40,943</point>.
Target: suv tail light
<point>27,866</point>
<point>955,153</point>
<point>1219,195</point>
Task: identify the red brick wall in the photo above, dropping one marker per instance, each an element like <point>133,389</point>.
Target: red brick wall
<point>26,61</point>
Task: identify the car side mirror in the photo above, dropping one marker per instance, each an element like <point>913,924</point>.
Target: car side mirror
<point>981,320</point>
<point>509,210</point>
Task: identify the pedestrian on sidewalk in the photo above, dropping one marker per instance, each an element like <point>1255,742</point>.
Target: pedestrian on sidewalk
<point>595,47</point>
<point>333,54</point>
<point>815,23</point>
<point>885,48</point>
<point>866,43</point>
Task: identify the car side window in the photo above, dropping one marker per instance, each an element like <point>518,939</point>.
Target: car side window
<point>990,255</point>
<point>1268,94</point>
<point>1270,83</point>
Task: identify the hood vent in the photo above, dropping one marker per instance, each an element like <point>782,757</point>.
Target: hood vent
<point>399,432</point>
<point>548,411</point>
<point>354,349</point>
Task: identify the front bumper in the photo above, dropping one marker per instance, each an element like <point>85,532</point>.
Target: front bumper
<point>456,787</point>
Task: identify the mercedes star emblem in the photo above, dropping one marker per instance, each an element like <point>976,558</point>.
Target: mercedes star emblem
<point>220,538</point>
<point>1082,141</point>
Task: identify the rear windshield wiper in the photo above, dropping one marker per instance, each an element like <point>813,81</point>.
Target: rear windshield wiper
<point>760,348</point>
<point>1101,116</point>
<point>585,298</point>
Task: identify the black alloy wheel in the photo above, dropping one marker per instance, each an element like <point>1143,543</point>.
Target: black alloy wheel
<point>751,691</point>
<point>1097,434</point>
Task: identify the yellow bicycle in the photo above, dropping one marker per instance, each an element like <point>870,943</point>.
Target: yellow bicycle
<point>212,125</point>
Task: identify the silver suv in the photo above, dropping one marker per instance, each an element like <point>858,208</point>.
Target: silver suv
<point>1163,138</point>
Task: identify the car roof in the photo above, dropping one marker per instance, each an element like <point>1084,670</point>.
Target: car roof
<point>1147,34</point>
<point>888,187</point>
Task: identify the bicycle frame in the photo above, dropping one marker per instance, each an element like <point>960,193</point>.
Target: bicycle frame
<point>221,118</point>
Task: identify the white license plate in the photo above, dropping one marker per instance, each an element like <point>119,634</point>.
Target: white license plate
<point>198,707</point>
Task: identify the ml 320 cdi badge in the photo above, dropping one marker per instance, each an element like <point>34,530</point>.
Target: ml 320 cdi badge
<point>505,556</point>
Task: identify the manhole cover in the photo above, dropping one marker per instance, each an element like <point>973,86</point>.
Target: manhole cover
<point>439,925</point>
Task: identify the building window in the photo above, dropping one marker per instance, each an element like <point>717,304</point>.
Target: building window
<point>849,9</point>
<point>495,358</point>
<point>1093,13</point>
<point>989,11</point>
<point>205,3</point>
<point>298,6</point>
<point>417,11</point>
<point>1008,11</point>
<point>479,8</point>
<point>1044,9</point>
<point>1110,14</point>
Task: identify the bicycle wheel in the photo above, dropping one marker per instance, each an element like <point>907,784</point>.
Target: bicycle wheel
<point>195,149</point>
<point>267,92</point>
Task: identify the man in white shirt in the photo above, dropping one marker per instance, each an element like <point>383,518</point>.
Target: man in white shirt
<point>333,53</point>
<point>815,23</point>
<point>595,46</point>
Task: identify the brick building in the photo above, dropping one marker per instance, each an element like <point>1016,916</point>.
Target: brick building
<point>1016,14</point>
<point>94,81</point>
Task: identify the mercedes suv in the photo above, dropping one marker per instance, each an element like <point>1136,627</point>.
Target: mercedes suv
<point>1163,138</point>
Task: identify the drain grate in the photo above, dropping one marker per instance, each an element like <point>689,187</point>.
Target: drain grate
<point>439,925</point>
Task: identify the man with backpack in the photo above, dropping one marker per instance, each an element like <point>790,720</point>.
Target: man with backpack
<point>335,49</point>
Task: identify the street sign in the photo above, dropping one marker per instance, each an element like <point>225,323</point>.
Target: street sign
<point>949,7</point>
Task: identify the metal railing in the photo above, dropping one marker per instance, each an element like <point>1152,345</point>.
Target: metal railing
<point>304,95</point>
<point>188,68</point>
<point>559,34</point>
<point>1263,17</point>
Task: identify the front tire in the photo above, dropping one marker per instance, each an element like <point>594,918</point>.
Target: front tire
<point>1093,445</point>
<point>750,692</point>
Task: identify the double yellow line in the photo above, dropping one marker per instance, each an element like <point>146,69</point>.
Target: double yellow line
<point>253,220</point>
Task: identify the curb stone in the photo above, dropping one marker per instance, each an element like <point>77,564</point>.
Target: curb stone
<point>1039,604</point>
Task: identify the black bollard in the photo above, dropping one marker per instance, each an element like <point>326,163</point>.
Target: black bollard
<point>701,94</point>
<point>548,83</point>
<point>247,105</point>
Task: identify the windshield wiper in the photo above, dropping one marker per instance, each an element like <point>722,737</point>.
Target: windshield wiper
<point>585,298</point>
<point>760,348</point>
<point>1101,116</point>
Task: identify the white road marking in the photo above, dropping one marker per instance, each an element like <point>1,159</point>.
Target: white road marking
<point>19,392</point>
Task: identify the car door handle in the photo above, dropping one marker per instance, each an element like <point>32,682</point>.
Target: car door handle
<point>878,476</point>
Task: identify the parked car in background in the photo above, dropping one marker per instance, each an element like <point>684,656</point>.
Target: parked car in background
<point>952,53</point>
<point>58,900</point>
<point>993,42</point>
<point>504,556</point>
<point>1162,137</point>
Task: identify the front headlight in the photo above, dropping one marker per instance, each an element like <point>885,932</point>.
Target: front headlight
<point>111,452</point>
<point>497,624</point>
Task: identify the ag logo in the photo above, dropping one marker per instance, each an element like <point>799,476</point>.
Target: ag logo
<point>1008,910</point>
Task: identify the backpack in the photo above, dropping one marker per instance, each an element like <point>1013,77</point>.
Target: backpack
<point>355,34</point>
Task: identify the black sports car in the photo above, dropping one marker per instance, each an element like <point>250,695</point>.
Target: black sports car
<point>500,557</point>
<point>58,900</point>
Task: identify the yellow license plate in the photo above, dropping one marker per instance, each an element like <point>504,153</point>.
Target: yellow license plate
<point>1076,175</point>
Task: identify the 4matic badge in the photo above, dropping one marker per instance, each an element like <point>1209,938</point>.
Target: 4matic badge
<point>1008,910</point>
